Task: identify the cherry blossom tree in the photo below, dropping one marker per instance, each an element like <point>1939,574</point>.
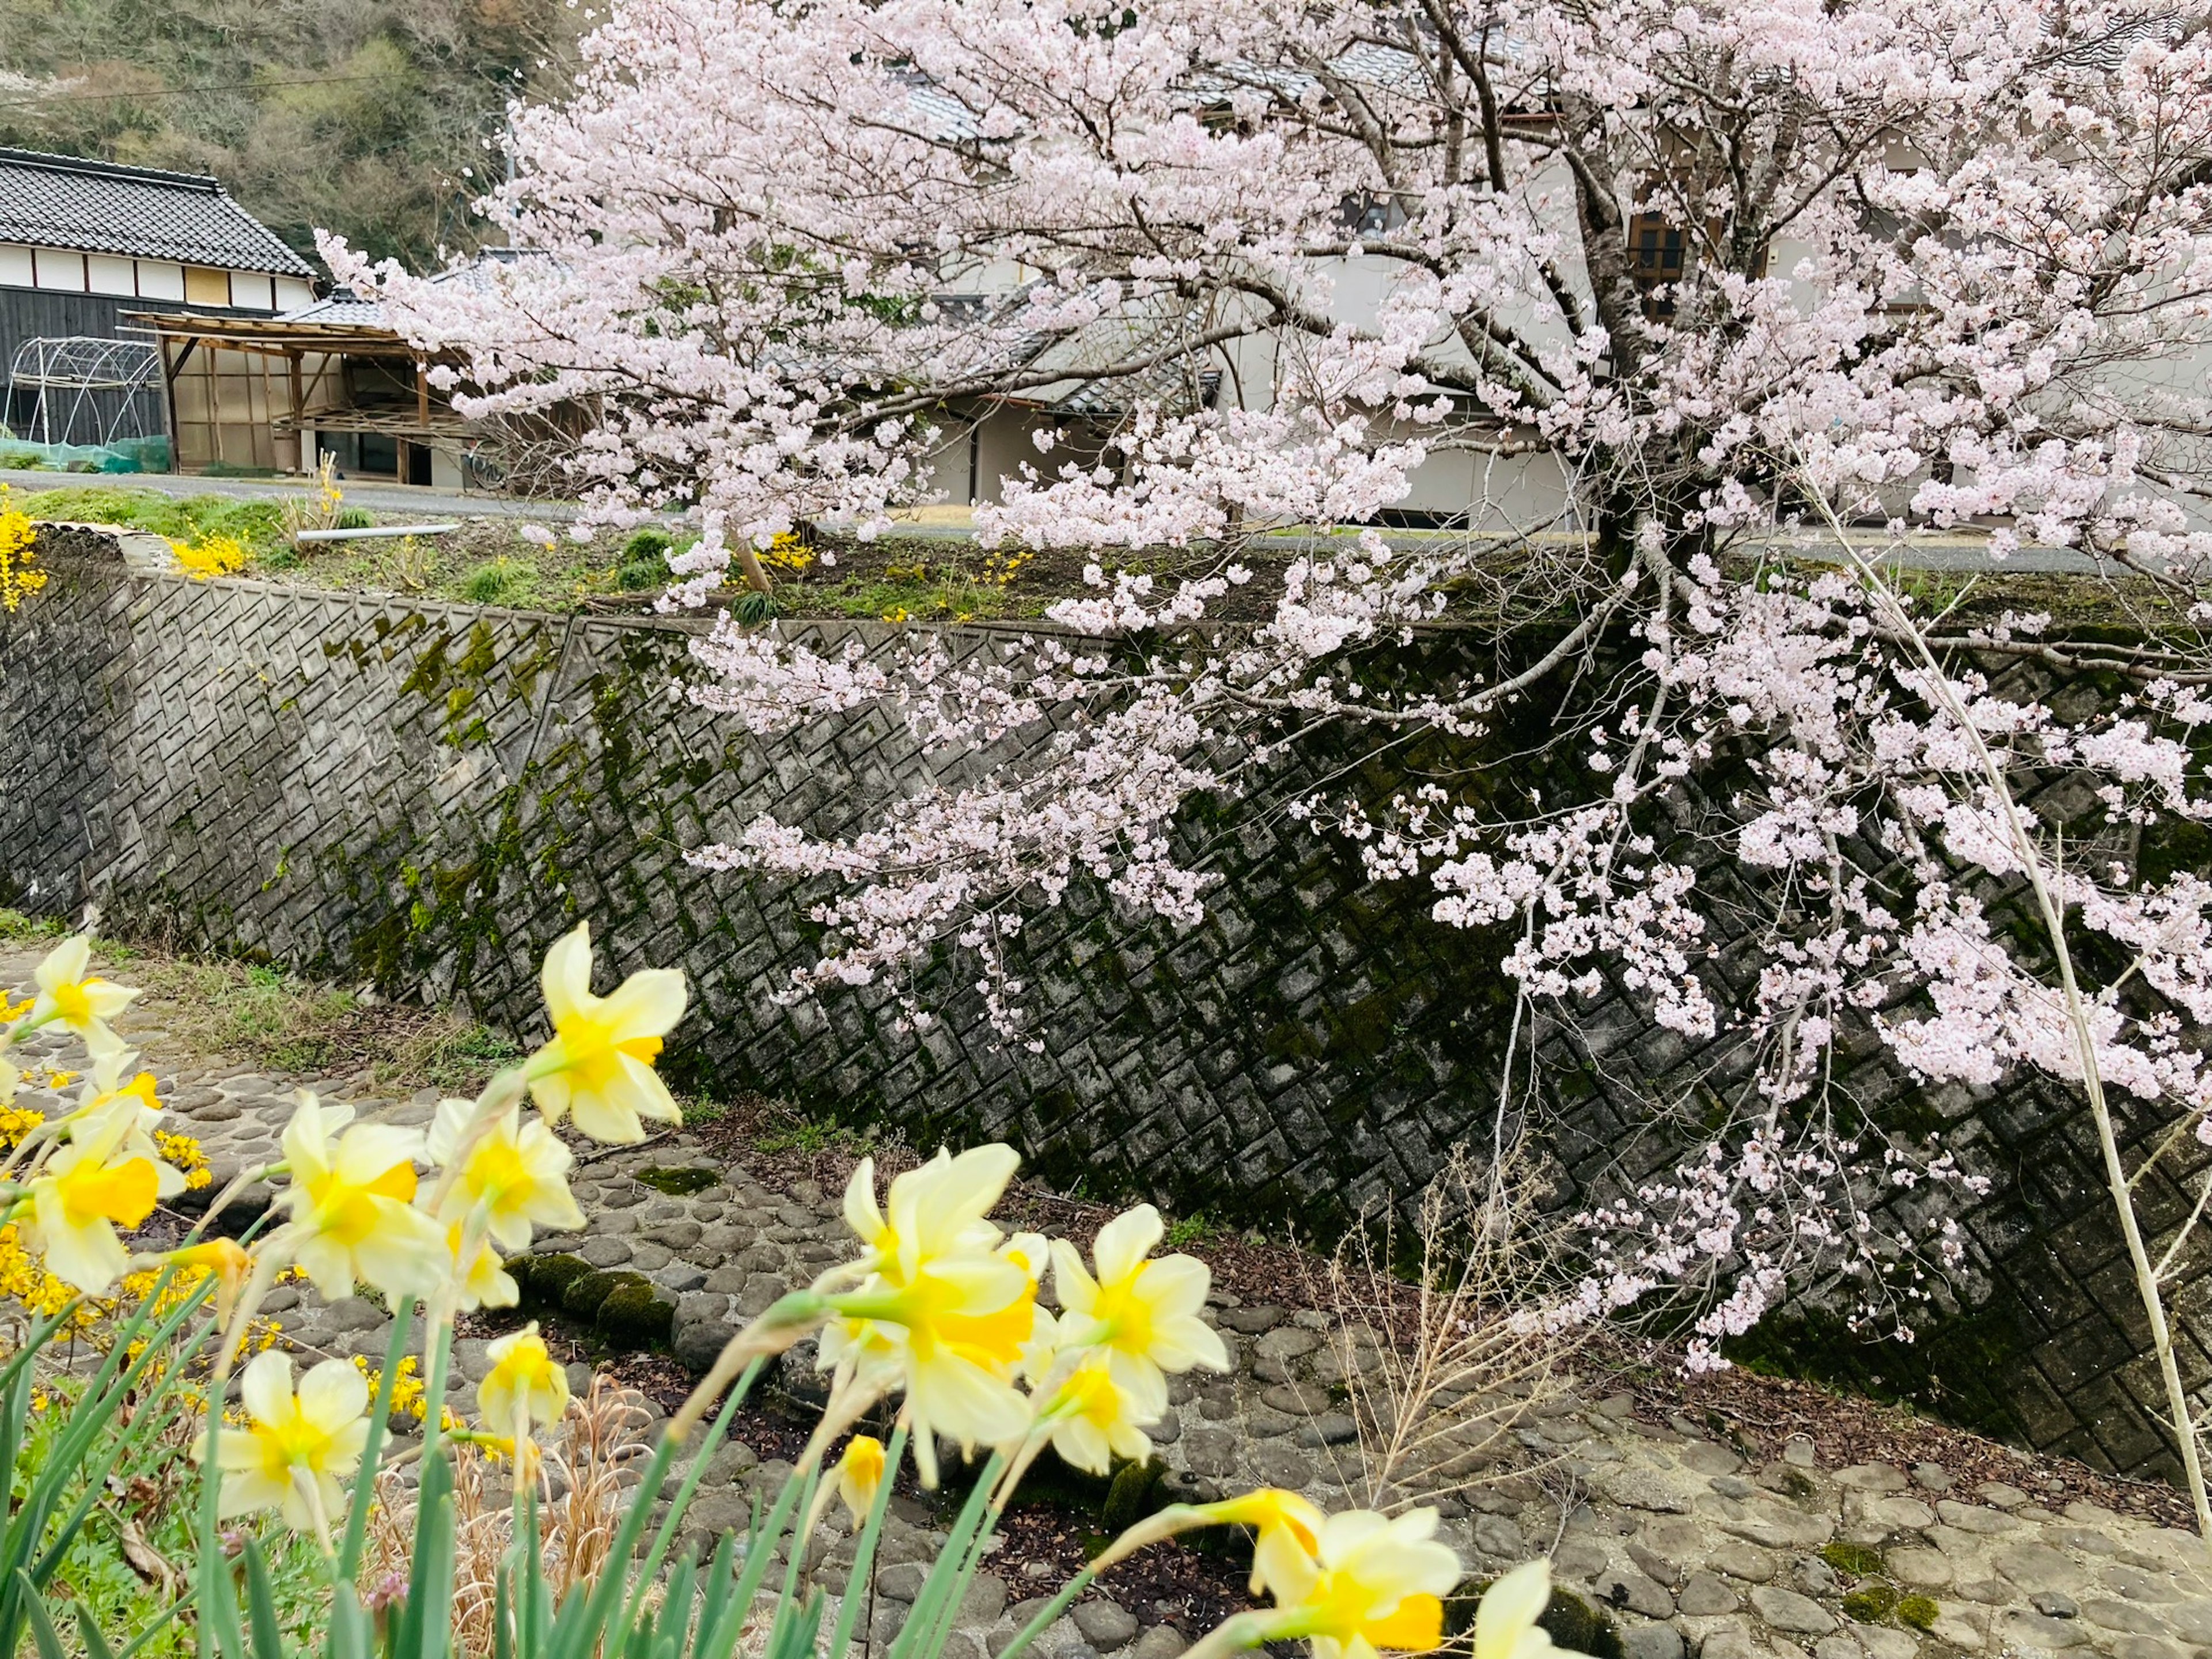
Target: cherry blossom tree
<point>1711,307</point>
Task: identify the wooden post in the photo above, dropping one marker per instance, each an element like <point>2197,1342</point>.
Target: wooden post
<point>169,373</point>
<point>299,409</point>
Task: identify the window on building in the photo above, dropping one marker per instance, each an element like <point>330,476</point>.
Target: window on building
<point>206,287</point>
<point>1656,252</point>
<point>379,454</point>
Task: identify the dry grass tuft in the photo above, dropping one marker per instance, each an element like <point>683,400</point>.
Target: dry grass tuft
<point>585,1484</point>
<point>1439,1367</point>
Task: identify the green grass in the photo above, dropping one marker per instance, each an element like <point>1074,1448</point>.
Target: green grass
<point>220,1006</point>
<point>256,526</point>
<point>953,597</point>
<point>1191,1232</point>
<point>15,927</point>
<point>810,1136</point>
<point>503,580</point>
<point>254,1013</point>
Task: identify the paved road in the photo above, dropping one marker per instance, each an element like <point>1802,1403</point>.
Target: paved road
<point>382,499</point>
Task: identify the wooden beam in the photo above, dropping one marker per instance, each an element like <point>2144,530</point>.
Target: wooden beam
<point>421,393</point>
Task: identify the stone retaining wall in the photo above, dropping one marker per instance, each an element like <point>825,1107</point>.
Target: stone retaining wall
<point>425,796</point>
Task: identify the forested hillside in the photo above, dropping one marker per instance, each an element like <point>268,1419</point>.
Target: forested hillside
<point>369,116</point>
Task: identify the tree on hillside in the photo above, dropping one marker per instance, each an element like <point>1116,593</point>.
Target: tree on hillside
<point>345,114</point>
<point>1690,290</point>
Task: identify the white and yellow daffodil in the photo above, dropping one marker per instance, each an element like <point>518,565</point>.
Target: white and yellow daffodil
<point>351,1215</point>
<point>1286,1530</point>
<point>1143,1313</point>
<point>1375,1583</point>
<point>525,1384</point>
<point>90,1185</point>
<point>227,1260</point>
<point>515,1174</point>
<point>1092,1420</point>
<point>597,1070</point>
<point>68,995</point>
<point>294,1447</point>
<point>107,1083</point>
<point>107,1094</point>
<point>940,1313</point>
<point>1505,1625</point>
<point>935,1212</point>
<point>482,1281</point>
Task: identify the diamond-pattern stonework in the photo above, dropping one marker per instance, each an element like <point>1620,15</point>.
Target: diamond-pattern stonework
<point>426,796</point>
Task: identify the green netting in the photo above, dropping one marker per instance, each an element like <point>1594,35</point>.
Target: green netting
<point>122,455</point>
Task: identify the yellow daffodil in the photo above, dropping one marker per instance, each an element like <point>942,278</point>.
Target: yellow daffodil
<point>1505,1623</point>
<point>515,1175</point>
<point>227,1260</point>
<point>1092,1420</point>
<point>482,1281</point>
<point>524,1385</point>
<point>90,1187</point>
<point>350,1206</point>
<point>935,1213</point>
<point>107,1094</point>
<point>294,1447</point>
<point>71,996</point>
<point>1143,1313</point>
<point>860,1473</point>
<point>940,1313</point>
<point>597,1069</point>
<point>1374,1583</point>
<point>106,1083</point>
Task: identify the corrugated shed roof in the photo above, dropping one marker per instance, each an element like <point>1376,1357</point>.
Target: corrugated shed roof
<point>99,207</point>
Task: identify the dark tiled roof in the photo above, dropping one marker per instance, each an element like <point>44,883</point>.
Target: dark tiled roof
<point>58,201</point>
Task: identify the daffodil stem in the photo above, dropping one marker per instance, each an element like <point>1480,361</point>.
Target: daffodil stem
<point>438,1342</point>
<point>787,1320</point>
<point>974,1560</point>
<point>1232,1635</point>
<point>799,1539</point>
<point>380,1412</point>
<point>1045,1614</point>
<point>951,1560</point>
<point>665,1537</point>
<point>759,1548</point>
<point>864,1551</point>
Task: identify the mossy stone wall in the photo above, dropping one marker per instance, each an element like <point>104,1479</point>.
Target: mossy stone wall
<point>426,796</point>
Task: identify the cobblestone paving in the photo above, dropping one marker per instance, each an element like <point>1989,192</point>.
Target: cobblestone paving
<point>1688,1550</point>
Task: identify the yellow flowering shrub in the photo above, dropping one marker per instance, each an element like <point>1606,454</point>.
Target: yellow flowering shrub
<point>787,552</point>
<point>183,1153</point>
<point>212,556</point>
<point>20,576</point>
